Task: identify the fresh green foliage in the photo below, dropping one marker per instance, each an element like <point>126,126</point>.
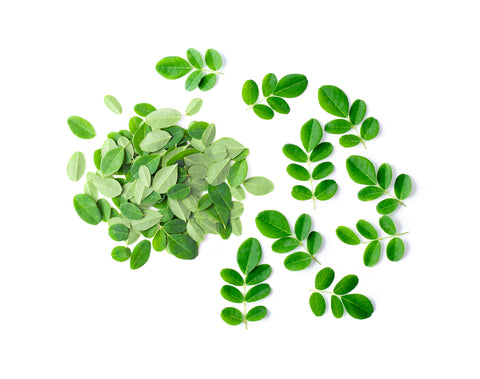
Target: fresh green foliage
<point>250,281</point>
<point>81,127</point>
<point>274,93</point>
<point>113,104</point>
<point>313,151</point>
<point>333,100</point>
<point>358,306</point>
<point>87,209</point>
<point>176,67</point>
<point>273,224</point>
<point>76,166</point>
<point>194,107</point>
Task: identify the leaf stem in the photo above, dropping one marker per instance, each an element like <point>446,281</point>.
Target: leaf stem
<point>244,304</point>
<point>384,238</point>
<point>211,71</point>
<point>257,102</point>
<point>393,197</point>
<point>311,183</point>
<point>359,136</point>
<point>303,245</point>
<point>322,291</point>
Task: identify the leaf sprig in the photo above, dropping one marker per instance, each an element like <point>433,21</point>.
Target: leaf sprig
<point>176,67</point>
<point>273,224</point>
<point>334,101</point>
<point>358,306</point>
<point>274,92</point>
<point>314,151</point>
<point>249,255</point>
<point>372,253</point>
<point>362,171</point>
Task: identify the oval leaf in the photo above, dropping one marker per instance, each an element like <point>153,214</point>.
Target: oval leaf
<point>257,293</point>
<point>297,261</point>
<point>121,253</point>
<point>194,107</point>
<point>317,304</point>
<point>298,172</point>
<point>346,285</point>
<point>349,140</point>
<point>113,104</point>
<point>258,185</point>
<point>301,193</point>
<point>291,85</point>
<point>182,246</point>
<point>326,189</point>
<point>232,277</point>
<point>370,193</point>
<point>269,83</point>
<point>263,111</point>
<point>333,100</point>
<point>303,225</point>
<point>367,230</point>
<point>369,129</point>
<point>324,278</point>
<point>372,253</point>
<point>347,235</point>
<point>273,224</point>
<point>112,161</point>
<point>322,151</point>
<point>357,111</point>
<point>403,186</point>
<point>173,67</point>
<point>193,80</point>
<point>384,175</point>
<point>179,191</point>
<point>361,170</point>
<point>358,306</point>
<point>294,153</point>
<point>195,58</point>
<point>338,126</point>
<point>322,170</point>
<point>395,249</point>
<point>76,166</point>
<point>163,118</point>
<point>207,82</point>
<point>278,104</point>
<point>250,92</point>
<point>213,59</point>
<point>248,255</point>
<point>231,294</point>
<point>140,254</point>
<point>232,316</point>
<point>87,209</point>
<point>256,313</point>
<point>285,245</point>
<point>258,275</point>
<point>314,242</point>
<point>387,225</point>
<point>337,306</point>
<point>310,134</point>
<point>387,206</point>
<point>81,127</point>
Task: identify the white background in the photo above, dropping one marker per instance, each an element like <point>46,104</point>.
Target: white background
<point>67,310</point>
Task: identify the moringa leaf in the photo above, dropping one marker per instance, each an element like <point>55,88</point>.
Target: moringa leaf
<point>333,100</point>
<point>193,107</point>
<point>195,58</point>
<point>118,232</point>
<point>213,59</point>
<point>295,153</point>
<point>369,129</point>
<point>207,82</point>
<point>387,225</point>
<point>298,172</point>
<point>395,249</point>
<point>232,316</point>
<point>258,185</point>
<point>314,242</point>
<point>357,111</point>
<point>238,173</point>
<point>232,277</point>
<point>193,80</point>
<point>220,195</point>
<point>310,134</point>
<point>384,175</point>
<point>278,104</point>
<point>178,191</point>
<point>285,245</point>
<point>258,292</point>
<point>144,175</point>
<point>87,209</point>
<point>317,304</point>
<point>338,126</point>
<point>159,242</point>
<point>105,209</point>
<point>367,230</point>
<point>303,225</point>
<point>182,246</point>
<point>165,178</point>
<point>121,253</point>
<point>258,275</point>
<point>349,140</point>
<point>297,261</point>
<point>326,189</point>
<point>140,254</point>
<point>387,206</point>
<point>358,306</point>
<point>346,285</point>
<point>372,253</point>
<point>403,186</point>
<point>113,104</point>
<point>291,85</point>
<point>250,92</point>
<point>231,294</point>
<point>322,170</point>
<point>324,278</point>
<point>163,118</point>
<point>248,255</point>
<point>131,211</point>
<point>269,83</point>
<point>81,127</point>
<point>347,235</point>
<point>256,313</point>
<point>143,109</point>
<point>173,67</point>
<point>263,111</point>
<point>175,226</point>
<point>76,166</point>
<point>322,151</point>
<point>301,193</point>
<point>273,224</point>
<point>337,306</point>
<point>370,193</point>
<point>361,170</point>
<point>218,172</point>
<point>195,231</point>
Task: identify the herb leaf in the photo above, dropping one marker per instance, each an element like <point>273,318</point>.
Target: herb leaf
<point>317,304</point>
<point>81,127</point>
<point>269,83</point>
<point>213,59</point>
<point>173,67</point>
<point>250,92</point>
<point>258,185</point>
<point>333,100</point>
<point>140,254</point>
<point>273,224</point>
<point>346,285</point>
<point>87,209</point>
<point>249,255</point>
<point>113,104</point>
<point>291,85</point>
<point>403,186</point>
<point>358,306</point>
<point>347,236</point>
<point>76,166</point>
<point>361,170</point>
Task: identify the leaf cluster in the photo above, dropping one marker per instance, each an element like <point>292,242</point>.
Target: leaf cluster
<point>334,101</point>
<point>250,282</point>
<point>313,151</point>
<point>273,224</point>
<point>341,299</point>
<point>176,67</point>
<point>274,93</point>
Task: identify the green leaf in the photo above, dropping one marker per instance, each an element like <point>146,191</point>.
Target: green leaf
<point>193,80</point>
<point>303,225</point>
<point>301,193</point>
<point>403,186</point>
<point>324,278</point>
<point>347,235</point>
<point>121,253</point>
<point>175,226</point>
<point>173,67</point>
<point>140,254</point>
<point>131,211</point>
<point>285,245</point>
<point>238,173</point>
<point>295,153</point>
<point>231,294</point>
<point>326,189</point>
<point>197,128</point>
<point>178,191</point>
<point>291,85</point>
<point>361,170</point>
<point>97,158</point>
<point>81,127</point>
<point>395,249</point>
<point>278,105</point>
<point>209,135</point>
<point>87,209</point>
<point>338,126</point>
<point>370,193</point>
<point>349,140</point>
<point>113,104</point>
<point>105,209</point>
<point>163,118</point>
<point>144,175</point>
<point>314,241</point>
<point>358,306</point>
<point>232,316</point>
<point>367,230</point>
<point>346,285</point>
<point>322,170</point>
<point>273,224</point>
<point>204,202</point>
<point>310,134</point>
<point>220,195</point>
<point>225,230</point>
<point>139,136</point>
<point>384,176</point>
<point>118,232</point>
<point>112,161</point>
<point>90,190</point>
<point>248,255</point>
<point>333,100</point>
<point>213,60</point>
<point>258,275</point>
<point>134,124</point>
<point>372,253</point>
<point>387,225</point>
<point>232,277</point>
<point>357,111</point>
<point>263,111</point>
<point>258,185</point>
<point>207,82</point>
<point>297,261</point>
<point>218,172</point>
<point>387,206</point>
<point>108,187</point>
<point>149,219</point>
<point>143,109</point>
<point>236,226</point>
<point>258,292</point>
<point>220,214</point>
<point>195,231</point>
<point>76,166</point>
<point>256,313</point>
<point>159,242</point>
<point>165,178</point>
<point>369,128</point>
<point>182,246</point>
<point>298,172</point>
<point>193,107</point>
<point>250,92</point>
<point>195,58</point>
<point>322,151</point>
<point>337,306</point>
<point>317,304</point>
<point>269,83</point>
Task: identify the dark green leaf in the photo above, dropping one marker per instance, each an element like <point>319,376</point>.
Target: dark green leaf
<point>213,59</point>
<point>273,224</point>
<point>207,82</point>
<point>112,161</point>
<point>220,195</point>
<point>118,232</point>
<point>173,67</point>
<point>278,104</point>
<point>193,80</point>
<point>175,226</point>
<point>367,230</point>
<point>314,241</point>
<point>387,206</point>
<point>358,306</point>
<point>131,211</point>
<point>150,233</point>
<point>317,304</point>
<point>322,151</point>
<point>301,193</point>
<point>324,278</point>
<point>197,128</point>
<point>297,261</point>
<point>258,274</point>
<point>232,316</point>
<point>144,109</point>
<point>221,214</point>
<point>140,254</point>
<point>347,235</point>
<point>195,58</point>
<point>298,172</point>
<point>105,209</point>
<point>349,140</point>
<point>295,153</point>
<point>291,85</point>
<point>152,161</point>
<point>182,246</point>
<point>81,127</point>
<point>395,249</point>
<point>121,253</point>
<point>310,134</point>
<point>231,294</point>
<point>384,175</point>
<point>225,231</point>
<point>232,277</point>
<point>97,158</point>
<point>333,100</point>
<point>269,83</point>
<point>204,202</point>
<point>285,245</point>
<point>357,111</point>
<point>238,173</point>
<point>87,209</point>
<point>248,255</point>
<point>159,242</point>
<point>346,285</point>
<point>326,189</point>
<point>303,225</point>
<point>258,185</point>
<point>387,225</point>
<point>179,191</point>
<point>322,170</point>
<point>250,92</point>
<point>361,170</point>
<point>370,193</point>
<point>338,126</point>
<point>256,313</point>
<point>257,293</point>
<point>176,132</point>
<point>403,186</point>
<point>337,306</point>
<point>369,128</point>
<point>372,253</point>
<point>263,111</point>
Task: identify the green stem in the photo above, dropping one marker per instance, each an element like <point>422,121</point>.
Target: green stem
<point>322,291</point>
<point>211,71</point>
<point>303,245</point>
<point>244,305</point>
<point>393,197</point>
<point>359,136</point>
<point>384,238</point>
<point>311,183</point>
<point>257,102</point>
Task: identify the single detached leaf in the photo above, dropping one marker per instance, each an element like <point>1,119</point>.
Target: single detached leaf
<point>159,242</point>
<point>285,245</point>
<point>194,107</point>
<point>121,253</point>
<point>369,128</point>
<point>258,185</point>
<point>324,278</point>
<point>232,277</point>
<point>195,58</point>
<point>301,193</point>
<point>357,111</point>
<point>346,285</point>
<point>182,246</point>
<point>113,104</point>
<point>231,294</point>
<point>143,109</point>
<point>258,292</point>
<point>173,67</point>
<point>81,127</point>
<point>232,316</point>
<point>387,225</point>
<point>387,206</point>
<point>395,249</point>
<point>303,225</point>
<point>317,304</point>
<point>358,306</point>
<point>238,173</point>
<point>361,170</point>
<point>256,313</point>
<point>163,118</point>
<point>294,153</point>
<point>384,175</point>
<point>248,255</point>
<point>140,254</point>
<point>314,242</point>
<point>131,211</point>
<point>297,261</point>
<point>310,134</point>
<point>269,83</point>
<point>179,191</point>
<point>347,235</point>
<point>250,92</point>
<point>403,186</point>
<point>118,232</point>
<point>213,59</point>
<point>273,224</point>
<point>349,140</point>
<point>76,166</point>
<point>193,80</point>
<point>263,111</point>
<point>326,189</point>
<point>338,126</point>
<point>322,170</point>
<point>258,275</point>
<point>278,104</point>
<point>298,172</point>
<point>333,100</point>
<point>337,306</point>
<point>372,253</point>
<point>370,193</point>
<point>291,85</point>
<point>322,151</point>
<point>87,209</point>
<point>367,230</point>
<point>207,82</point>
